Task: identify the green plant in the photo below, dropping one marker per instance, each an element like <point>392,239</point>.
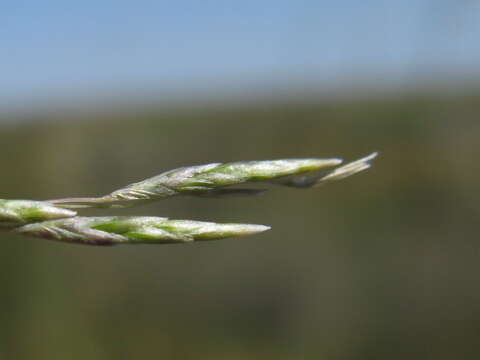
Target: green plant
<point>56,219</point>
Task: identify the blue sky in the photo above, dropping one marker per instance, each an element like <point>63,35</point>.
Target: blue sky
<point>58,48</point>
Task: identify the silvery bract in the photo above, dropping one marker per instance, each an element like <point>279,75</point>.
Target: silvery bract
<point>135,230</point>
<point>212,180</point>
<point>52,220</point>
<point>20,212</point>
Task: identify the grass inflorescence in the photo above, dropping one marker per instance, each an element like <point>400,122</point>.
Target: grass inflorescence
<point>56,219</point>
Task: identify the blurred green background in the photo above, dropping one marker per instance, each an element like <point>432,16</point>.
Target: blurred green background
<point>95,95</point>
<point>383,265</point>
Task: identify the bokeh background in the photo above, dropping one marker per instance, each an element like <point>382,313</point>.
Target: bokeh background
<point>96,95</point>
